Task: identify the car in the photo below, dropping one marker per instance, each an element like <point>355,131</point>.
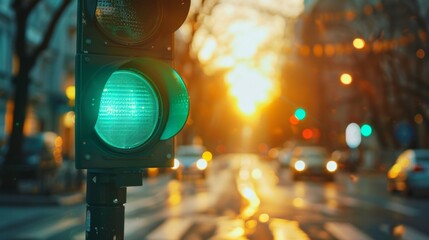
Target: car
<point>42,154</point>
<point>189,162</point>
<point>410,172</point>
<point>312,161</point>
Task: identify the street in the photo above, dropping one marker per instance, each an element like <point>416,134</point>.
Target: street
<point>242,197</point>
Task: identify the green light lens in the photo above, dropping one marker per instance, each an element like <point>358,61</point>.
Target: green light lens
<point>366,130</point>
<point>300,114</point>
<point>129,110</point>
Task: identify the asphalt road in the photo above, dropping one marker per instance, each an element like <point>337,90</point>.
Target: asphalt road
<point>242,197</point>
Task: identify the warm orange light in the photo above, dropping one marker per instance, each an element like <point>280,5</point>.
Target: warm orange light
<point>418,118</point>
<point>69,119</point>
<point>358,43</point>
<point>264,218</point>
<point>293,120</point>
<point>420,53</point>
<point>208,156</point>
<point>71,92</point>
<point>318,50</point>
<point>307,133</point>
<point>346,78</point>
<point>250,88</point>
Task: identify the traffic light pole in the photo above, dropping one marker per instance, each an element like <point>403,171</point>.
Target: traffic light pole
<point>106,196</point>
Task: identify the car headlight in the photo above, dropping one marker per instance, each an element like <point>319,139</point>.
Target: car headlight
<point>176,164</point>
<point>201,164</point>
<point>299,165</point>
<point>331,166</point>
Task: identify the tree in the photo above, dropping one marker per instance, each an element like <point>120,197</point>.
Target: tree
<point>27,58</point>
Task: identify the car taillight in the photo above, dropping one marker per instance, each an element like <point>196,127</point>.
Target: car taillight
<point>418,168</point>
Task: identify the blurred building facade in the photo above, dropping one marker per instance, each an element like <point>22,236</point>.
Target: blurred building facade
<point>324,34</point>
<point>51,90</point>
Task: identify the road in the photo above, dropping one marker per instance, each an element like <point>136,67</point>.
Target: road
<point>243,197</point>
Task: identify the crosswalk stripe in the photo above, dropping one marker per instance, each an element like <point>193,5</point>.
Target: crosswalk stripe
<point>285,229</point>
<point>399,208</point>
<point>171,229</point>
<point>414,234</point>
<point>345,231</point>
<point>52,230</point>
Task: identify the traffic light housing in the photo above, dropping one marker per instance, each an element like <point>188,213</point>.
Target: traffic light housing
<point>130,102</point>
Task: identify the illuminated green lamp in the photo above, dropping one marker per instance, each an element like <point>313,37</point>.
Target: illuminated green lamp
<point>366,130</point>
<point>129,110</point>
<point>131,106</point>
<point>300,114</point>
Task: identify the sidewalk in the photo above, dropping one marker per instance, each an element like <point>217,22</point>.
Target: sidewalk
<point>38,199</point>
<point>62,194</point>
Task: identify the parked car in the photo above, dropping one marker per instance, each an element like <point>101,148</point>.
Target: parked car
<point>189,162</point>
<point>42,158</point>
<point>312,161</point>
<point>410,172</point>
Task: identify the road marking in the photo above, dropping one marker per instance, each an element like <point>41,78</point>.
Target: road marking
<point>80,236</point>
<point>171,229</point>
<point>345,231</point>
<point>414,234</point>
<point>392,206</point>
<point>399,208</point>
<point>284,229</point>
<point>132,225</point>
<point>52,230</point>
<point>146,202</point>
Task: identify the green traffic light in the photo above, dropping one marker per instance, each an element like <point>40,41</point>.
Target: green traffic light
<point>129,110</point>
<point>366,130</point>
<point>300,114</point>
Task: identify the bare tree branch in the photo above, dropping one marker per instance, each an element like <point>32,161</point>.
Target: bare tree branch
<point>48,35</point>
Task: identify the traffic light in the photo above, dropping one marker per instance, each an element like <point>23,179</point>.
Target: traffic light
<point>130,102</point>
<point>366,130</point>
<point>300,113</point>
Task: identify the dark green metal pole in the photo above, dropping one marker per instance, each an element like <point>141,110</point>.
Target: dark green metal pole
<point>106,196</point>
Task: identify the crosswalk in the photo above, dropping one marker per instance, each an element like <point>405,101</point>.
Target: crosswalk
<point>193,218</point>
<point>176,228</point>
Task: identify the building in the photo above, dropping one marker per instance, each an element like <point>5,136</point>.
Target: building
<point>52,83</point>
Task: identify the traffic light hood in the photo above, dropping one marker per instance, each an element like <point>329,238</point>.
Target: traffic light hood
<point>172,89</point>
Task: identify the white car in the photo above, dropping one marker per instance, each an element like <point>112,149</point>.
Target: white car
<point>312,161</point>
<point>189,162</point>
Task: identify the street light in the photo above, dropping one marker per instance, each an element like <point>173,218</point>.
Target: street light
<point>358,43</point>
<point>346,79</point>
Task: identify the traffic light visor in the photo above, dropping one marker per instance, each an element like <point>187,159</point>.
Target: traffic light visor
<point>179,104</point>
<point>128,22</point>
<point>129,110</point>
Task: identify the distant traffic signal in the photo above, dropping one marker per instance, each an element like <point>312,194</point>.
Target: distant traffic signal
<point>366,130</point>
<point>130,102</point>
<point>300,113</point>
